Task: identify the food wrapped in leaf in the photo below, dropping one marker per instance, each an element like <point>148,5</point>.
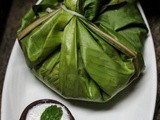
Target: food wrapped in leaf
<point>84,49</point>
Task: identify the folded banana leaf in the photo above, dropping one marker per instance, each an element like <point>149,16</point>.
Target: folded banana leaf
<point>84,49</point>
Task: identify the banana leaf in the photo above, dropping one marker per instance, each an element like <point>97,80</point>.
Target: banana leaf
<point>86,50</point>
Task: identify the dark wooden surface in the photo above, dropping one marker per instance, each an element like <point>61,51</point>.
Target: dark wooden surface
<point>10,19</point>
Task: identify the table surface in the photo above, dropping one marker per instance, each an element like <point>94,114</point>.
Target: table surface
<point>19,7</point>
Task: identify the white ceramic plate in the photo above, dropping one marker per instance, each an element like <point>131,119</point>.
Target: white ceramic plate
<point>137,102</point>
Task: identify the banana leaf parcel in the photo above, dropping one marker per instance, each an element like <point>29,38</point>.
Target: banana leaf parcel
<point>86,50</point>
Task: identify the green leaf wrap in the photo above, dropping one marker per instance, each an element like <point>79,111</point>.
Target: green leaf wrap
<point>84,49</point>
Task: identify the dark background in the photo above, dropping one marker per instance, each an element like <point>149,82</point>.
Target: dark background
<point>11,12</point>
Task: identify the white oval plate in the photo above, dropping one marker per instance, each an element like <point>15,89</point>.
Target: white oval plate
<point>137,102</point>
